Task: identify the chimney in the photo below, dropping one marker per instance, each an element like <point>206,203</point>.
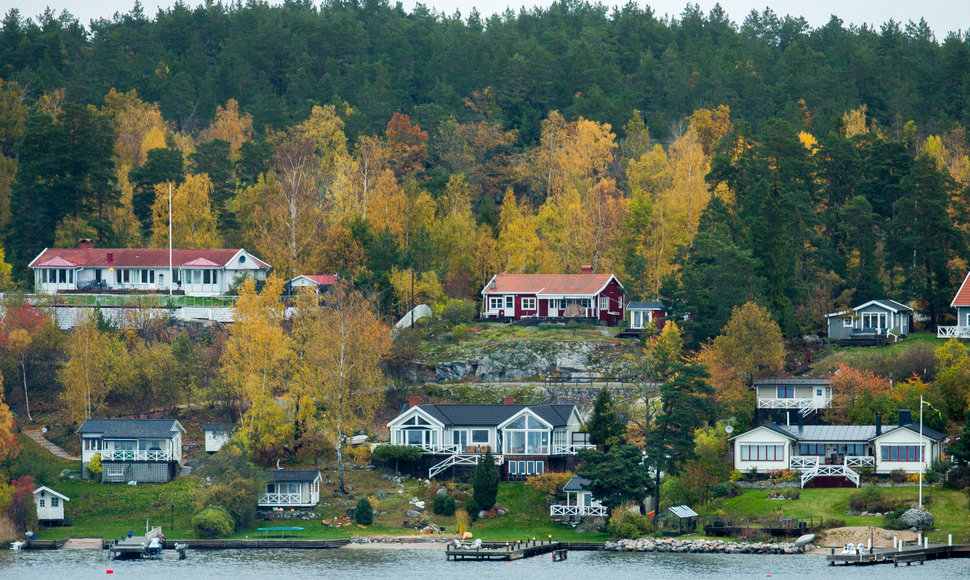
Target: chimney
<point>878,424</point>
<point>85,244</point>
<point>586,269</point>
<point>143,415</point>
<point>110,258</point>
<point>413,401</point>
<point>508,401</point>
<point>905,417</point>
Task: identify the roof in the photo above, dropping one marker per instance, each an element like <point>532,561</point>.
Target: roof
<point>131,428</point>
<point>576,484</point>
<point>52,492</point>
<point>791,381</point>
<point>645,306</point>
<point>319,279</point>
<point>962,297</point>
<point>281,475</point>
<point>549,284</point>
<point>844,433</point>
<point>136,258</point>
<point>493,415</point>
<point>890,305</point>
<point>682,511</point>
<point>218,427</point>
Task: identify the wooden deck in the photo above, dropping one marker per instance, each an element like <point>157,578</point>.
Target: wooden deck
<point>258,544</point>
<point>908,555</point>
<point>510,551</point>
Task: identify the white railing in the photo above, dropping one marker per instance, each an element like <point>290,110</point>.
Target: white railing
<point>803,463</point>
<point>953,331</point>
<point>281,499</point>
<point>459,459</point>
<point>133,455</point>
<point>830,470</point>
<point>859,461</point>
<point>571,449</point>
<point>801,403</point>
<point>576,510</point>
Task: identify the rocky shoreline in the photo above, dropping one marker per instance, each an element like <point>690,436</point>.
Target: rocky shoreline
<point>700,546</point>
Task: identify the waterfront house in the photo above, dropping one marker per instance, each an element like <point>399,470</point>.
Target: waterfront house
<point>838,450</point>
<point>143,450</point>
<point>203,272</point>
<point>795,398</point>
<point>50,505</point>
<point>555,297</point>
<point>875,322</point>
<point>961,301</point>
<point>524,439</point>
<point>579,502</point>
<point>216,435</point>
<point>291,489</point>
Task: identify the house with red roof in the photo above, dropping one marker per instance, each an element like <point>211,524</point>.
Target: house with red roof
<point>962,303</point>
<point>555,296</point>
<point>321,283</point>
<point>203,272</point>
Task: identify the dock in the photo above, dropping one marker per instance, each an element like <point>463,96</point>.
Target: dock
<point>138,547</point>
<point>506,551</point>
<point>259,544</point>
<point>908,555</point>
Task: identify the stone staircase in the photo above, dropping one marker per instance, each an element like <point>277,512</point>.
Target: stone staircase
<point>37,435</point>
<point>83,544</point>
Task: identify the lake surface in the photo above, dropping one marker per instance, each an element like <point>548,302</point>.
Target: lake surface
<point>430,564</point>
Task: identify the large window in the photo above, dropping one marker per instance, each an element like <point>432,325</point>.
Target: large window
<point>604,302</point>
<point>510,302</point>
<point>480,436</point>
<point>417,431</point>
<point>762,452</point>
<point>519,468</point>
<point>786,392</point>
<point>526,436</point>
<point>873,320</point>
<point>494,302</point>
<point>855,449</point>
<point>901,452</point>
<point>528,304</point>
<point>811,449</point>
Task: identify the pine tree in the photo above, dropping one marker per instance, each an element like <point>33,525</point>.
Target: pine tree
<point>605,427</point>
<point>485,483</point>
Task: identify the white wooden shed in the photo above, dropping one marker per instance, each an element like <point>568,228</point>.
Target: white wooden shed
<point>50,504</point>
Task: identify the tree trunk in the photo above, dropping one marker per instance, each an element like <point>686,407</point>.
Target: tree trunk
<point>23,368</point>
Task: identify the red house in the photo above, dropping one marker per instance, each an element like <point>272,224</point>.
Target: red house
<point>555,296</point>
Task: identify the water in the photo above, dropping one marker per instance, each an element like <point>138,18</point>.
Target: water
<point>384,564</point>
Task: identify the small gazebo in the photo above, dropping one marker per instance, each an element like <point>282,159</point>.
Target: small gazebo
<point>678,520</point>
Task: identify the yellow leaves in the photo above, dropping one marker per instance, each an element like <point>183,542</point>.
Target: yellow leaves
<point>854,122</point>
<point>325,129</point>
<point>231,127</point>
<point>751,341</point>
<point>520,248</point>
<point>50,103</point>
<point>193,222</point>
<point>139,126</point>
<point>154,139</point>
<point>711,125</point>
<point>388,206</point>
<point>85,371</point>
<point>427,288</point>
<point>808,141</point>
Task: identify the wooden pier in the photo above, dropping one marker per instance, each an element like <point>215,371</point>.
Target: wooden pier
<point>907,555</point>
<point>506,551</point>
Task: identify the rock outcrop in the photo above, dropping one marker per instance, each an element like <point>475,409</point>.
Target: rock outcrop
<point>700,546</point>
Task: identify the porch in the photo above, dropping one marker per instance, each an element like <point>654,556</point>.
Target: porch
<point>812,467</point>
<point>572,511</point>
<point>953,331</point>
<point>136,455</point>
<point>284,500</point>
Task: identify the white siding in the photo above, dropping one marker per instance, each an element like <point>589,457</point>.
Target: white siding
<point>761,436</point>
<point>904,437</point>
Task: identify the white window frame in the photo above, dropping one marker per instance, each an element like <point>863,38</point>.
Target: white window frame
<point>494,303</point>
<point>529,303</point>
<point>846,323</point>
<point>604,302</point>
<point>509,302</point>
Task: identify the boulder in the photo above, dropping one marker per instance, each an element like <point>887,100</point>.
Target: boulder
<point>413,514</point>
<point>917,518</point>
<point>441,491</point>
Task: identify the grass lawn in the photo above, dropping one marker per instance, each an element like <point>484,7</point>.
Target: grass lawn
<point>872,357</point>
<point>949,508</point>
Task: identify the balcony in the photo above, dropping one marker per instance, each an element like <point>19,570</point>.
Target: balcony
<point>562,511</point>
<point>283,500</point>
<point>134,455</point>
<point>953,332</point>
<point>570,449</point>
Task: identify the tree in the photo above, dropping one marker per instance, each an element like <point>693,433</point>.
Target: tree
<point>485,482</point>
<point>855,391</point>
<point>960,450</point>
<point>617,476</point>
<point>193,221</point>
<point>85,371</point>
<point>604,426</point>
<point>364,513</point>
<point>752,341</point>
<point>953,377</point>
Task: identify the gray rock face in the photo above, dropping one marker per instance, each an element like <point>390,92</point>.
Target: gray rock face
<point>441,491</point>
<point>917,518</point>
<point>413,514</point>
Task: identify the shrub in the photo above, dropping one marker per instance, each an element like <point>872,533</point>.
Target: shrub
<point>898,476</point>
<point>628,525</point>
<point>364,513</point>
<point>360,454</point>
<point>485,484</point>
<point>791,493</point>
<point>833,523</point>
<point>462,522</point>
<point>958,477</point>
<point>472,508</point>
<point>871,499</point>
<point>443,505</point>
<point>459,311</point>
<point>237,497</point>
<point>726,489</point>
<point>396,453</point>
<point>94,466</point>
<point>212,522</point>
<point>549,482</point>
<point>890,520</point>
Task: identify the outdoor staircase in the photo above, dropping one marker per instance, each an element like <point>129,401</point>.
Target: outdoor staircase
<point>810,472</point>
<point>37,435</point>
<point>458,459</point>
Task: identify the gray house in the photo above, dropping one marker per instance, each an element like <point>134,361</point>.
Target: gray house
<point>143,450</point>
<point>962,304</point>
<point>875,322</point>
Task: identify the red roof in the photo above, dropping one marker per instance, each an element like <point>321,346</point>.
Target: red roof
<point>549,284</point>
<point>320,279</point>
<point>134,258</point>
<point>963,294</point>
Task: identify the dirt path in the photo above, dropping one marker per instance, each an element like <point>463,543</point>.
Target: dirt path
<point>839,537</point>
<point>37,435</point>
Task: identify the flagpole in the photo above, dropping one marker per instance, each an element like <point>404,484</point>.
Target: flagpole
<point>170,240</point>
<point>922,458</point>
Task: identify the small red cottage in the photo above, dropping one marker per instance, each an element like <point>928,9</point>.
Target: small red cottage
<point>554,296</point>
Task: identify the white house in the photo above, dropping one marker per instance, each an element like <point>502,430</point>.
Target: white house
<point>646,313</point>
<point>216,435</point>
<point>525,439</point>
<point>838,450</point>
<point>291,489</point>
<point>143,450</point>
<point>204,272</point>
<point>50,505</point>
<point>579,502</point>
<point>792,397</point>
<point>320,283</point>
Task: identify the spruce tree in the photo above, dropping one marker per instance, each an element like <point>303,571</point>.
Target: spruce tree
<point>485,484</point>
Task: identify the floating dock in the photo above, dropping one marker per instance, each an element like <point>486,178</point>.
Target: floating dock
<point>907,555</point>
<point>505,551</point>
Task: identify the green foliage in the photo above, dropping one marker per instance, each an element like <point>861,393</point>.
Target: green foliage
<point>485,482</point>
<point>458,311</point>
<point>386,452</point>
<point>212,522</point>
<point>871,499</point>
<point>444,505</point>
<point>364,512</point>
<point>604,426</point>
<point>618,476</point>
<point>236,486</point>
<point>685,406</point>
<point>960,450</point>
<point>625,524</point>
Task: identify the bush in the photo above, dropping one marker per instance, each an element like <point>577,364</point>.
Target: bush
<point>549,482</point>
<point>958,477</point>
<point>485,483</point>
<point>890,520</point>
<point>396,453</point>
<point>833,523</point>
<point>870,499</point>
<point>791,493</point>
<point>459,311</point>
<point>726,489</point>
<point>472,508</point>
<point>898,476</point>
<point>444,505</point>
<point>212,522</point>
<point>364,513</point>
<point>628,525</point>
<point>94,466</point>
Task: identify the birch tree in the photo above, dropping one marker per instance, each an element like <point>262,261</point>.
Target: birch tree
<point>86,370</point>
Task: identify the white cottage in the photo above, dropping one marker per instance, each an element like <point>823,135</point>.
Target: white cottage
<point>216,435</point>
<point>291,489</point>
<point>838,450</point>
<point>50,505</point>
<point>579,502</point>
<point>525,439</point>
<point>144,450</point>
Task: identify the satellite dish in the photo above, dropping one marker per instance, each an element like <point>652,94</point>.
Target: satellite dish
<point>729,429</point>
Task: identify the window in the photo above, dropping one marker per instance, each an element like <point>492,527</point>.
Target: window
<point>125,276</point>
<point>207,276</point>
<point>494,302</point>
<point>604,302</point>
<point>786,392</point>
<point>762,452</point>
<point>54,502</point>
<point>526,467</point>
<point>847,322</point>
<point>901,452</point>
<point>480,436</point>
<point>556,304</point>
<point>528,304</point>
<point>41,503</point>
<point>526,436</point>
<point>510,302</point>
<point>854,449</point>
<point>811,449</point>
<point>818,392</point>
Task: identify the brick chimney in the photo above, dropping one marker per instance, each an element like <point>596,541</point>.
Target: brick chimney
<point>413,401</point>
<point>85,244</point>
<point>508,401</point>
<point>587,270</point>
<point>878,424</point>
<point>110,258</point>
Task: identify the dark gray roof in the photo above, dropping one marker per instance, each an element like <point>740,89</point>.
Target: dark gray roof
<point>791,381</point>
<point>131,428</point>
<point>493,415</point>
<point>218,427</point>
<point>845,433</point>
<point>645,306</point>
<point>576,484</point>
<point>893,305</point>
<point>281,475</point>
